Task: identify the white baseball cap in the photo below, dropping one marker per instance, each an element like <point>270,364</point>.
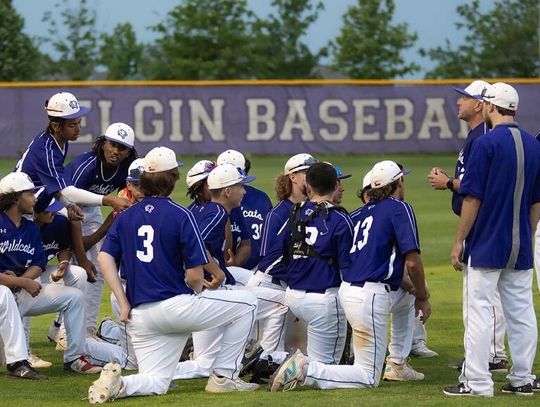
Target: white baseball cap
<point>120,133</point>
<point>16,182</point>
<point>233,157</point>
<point>226,175</point>
<point>299,162</point>
<point>64,105</point>
<point>384,173</point>
<point>503,95</point>
<point>474,90</point>
<point>136,168</point>
<point>199,171</point>
<point>160,159</point>
<point>366,182</point>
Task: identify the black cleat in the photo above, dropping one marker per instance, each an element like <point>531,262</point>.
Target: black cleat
<point>459,390</point>
<point>525,390</point>
<point>23,370</point>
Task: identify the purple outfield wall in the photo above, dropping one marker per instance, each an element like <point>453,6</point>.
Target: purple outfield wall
<point>264,119</point>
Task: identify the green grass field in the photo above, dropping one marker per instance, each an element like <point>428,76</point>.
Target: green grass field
<point>437,226</point>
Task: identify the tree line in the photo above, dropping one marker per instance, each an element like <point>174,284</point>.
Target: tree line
<point>215,40</point>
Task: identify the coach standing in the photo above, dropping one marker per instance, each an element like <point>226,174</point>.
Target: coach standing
<point>500,209</point>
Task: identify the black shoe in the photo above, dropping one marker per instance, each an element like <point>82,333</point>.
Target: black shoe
<point>536,385</point>
<point>459,390</point>
<point>250,358</point>
<point>23,370</point>
<point>525,390</point>
<point>501,367</point>
<point>263,370</point>
<point>456,364</point>
<point>188,350</point>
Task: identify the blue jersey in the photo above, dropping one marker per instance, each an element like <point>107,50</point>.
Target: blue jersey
<point>155,241</point>
<point>275,237</point>
<point>255,206</point>
<point>504,173</point>
<point>212,218</point>
<point>43,161</point>
<point>239,229</point>
<point>87,172</point>
<point>20,247</point>
<point>55,236</point>
<point>461,164</point>
<point>332,239</point>
<point>384,232</point>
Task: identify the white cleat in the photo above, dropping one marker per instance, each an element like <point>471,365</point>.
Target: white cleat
<point>289,373</point>
<point>422,351</point>
<point>108,386</point>
<point>401,373</point>
<point>37,363</point>
<point>58,335</point>
<point>225,385</point>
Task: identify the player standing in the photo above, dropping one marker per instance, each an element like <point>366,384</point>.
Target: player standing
<point>501,186</point>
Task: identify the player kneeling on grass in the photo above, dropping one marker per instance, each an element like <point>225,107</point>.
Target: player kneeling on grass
<point>385,241</point>
<point>161,255</point>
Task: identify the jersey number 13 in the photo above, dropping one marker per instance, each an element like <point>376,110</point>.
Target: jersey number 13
<point>365,226</point>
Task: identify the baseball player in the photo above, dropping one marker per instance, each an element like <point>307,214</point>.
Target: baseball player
<point>255,206</point>
<point>23,260</point>
<point>321,235</point>
<point>501,186</point>
<point>101,171</point>
<point>338,193</point>
<point>470,110</point>
<point>161,255</point>
<point>269,281</point>
<point>385,240</point>
<point>12,340</point>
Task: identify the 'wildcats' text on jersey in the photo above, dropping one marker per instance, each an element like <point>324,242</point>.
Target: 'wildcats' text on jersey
<point>384,232</point>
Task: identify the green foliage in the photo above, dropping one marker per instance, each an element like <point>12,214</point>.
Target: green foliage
<point>279,50</point>
<point>203,39</point>
<point>369,45</point>
<point>19,57</point>
<point>78,46</point>
<point>502,42</point>
<point>120,53</point>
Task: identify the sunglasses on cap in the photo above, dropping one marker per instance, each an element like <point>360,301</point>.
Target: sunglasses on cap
<point>208,167</point>
<point>308,161</point>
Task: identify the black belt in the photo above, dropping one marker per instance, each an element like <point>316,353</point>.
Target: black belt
<point>276,281</point>
<point>361,284</point>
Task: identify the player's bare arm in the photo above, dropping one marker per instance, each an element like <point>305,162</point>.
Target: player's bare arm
<point>91,240</point>
<point>243,251</point>
<point>415,270</point>
<point>9,279</point>
<point>535,216</point>
<point>63,257</point>
<point>77,243</point>
<point>116,202</point>
<point>110,273</point>
<point>440,180</point>
<point>32,272</point>
<point>218,276</point>
<point>194,278</point>
<point>469,212</point>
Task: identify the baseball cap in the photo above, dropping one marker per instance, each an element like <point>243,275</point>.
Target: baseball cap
<point>384,173</point>
<point>226,175</point>
<point>160,159</point>
<point>120,133</point>
<point>64,105</point>
<point>136,168</point>
<point>54,206</point>
<point>474,90</point>
<point>366,182</point>
<point>339,172</point>
<point>503,95</point>
<point>299,162</point>
<point>199,171</point>
<point>233,157</point>
<point>16,182</point>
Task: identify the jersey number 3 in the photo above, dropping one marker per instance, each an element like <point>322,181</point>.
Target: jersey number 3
<point>147,233</point>
<point>365,226</point>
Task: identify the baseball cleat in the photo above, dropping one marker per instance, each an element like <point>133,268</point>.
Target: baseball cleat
<point>536,385</point>
<point>500,367</point>
<point>225,385</point>
<point>525,390</point>
<point>23,370</point>
<point>401,373</point>
<point>37,363</point>
<point>462,390</point>
<point>108,386</point>
<point>422,351</point>
<point>289,373</point>
<point>81,365</point>
<point>58,335</point>
<point>250,359</point>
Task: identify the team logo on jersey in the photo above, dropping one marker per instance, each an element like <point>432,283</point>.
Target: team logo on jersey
<point>149,208</point>
<point>16,246</point>
<point>3,230</point>
<point>309,212</point>
<point>73,104</point>
<point>122,133</point>
<point>252,214</point>
<point>371,207</point>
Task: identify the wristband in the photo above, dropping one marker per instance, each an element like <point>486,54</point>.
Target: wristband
<point>450,184</point>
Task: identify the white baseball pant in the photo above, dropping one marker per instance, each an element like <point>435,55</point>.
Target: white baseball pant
<point>159,331</point>
<point>11,329</point>
<point>401,332</point>
<point>240,274</point>
<point>326,324</point>
<point>271,315</point>
<point>515,289</point>
<point>58,298</point>
<point>537,254</point>
<point>367,309</point>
